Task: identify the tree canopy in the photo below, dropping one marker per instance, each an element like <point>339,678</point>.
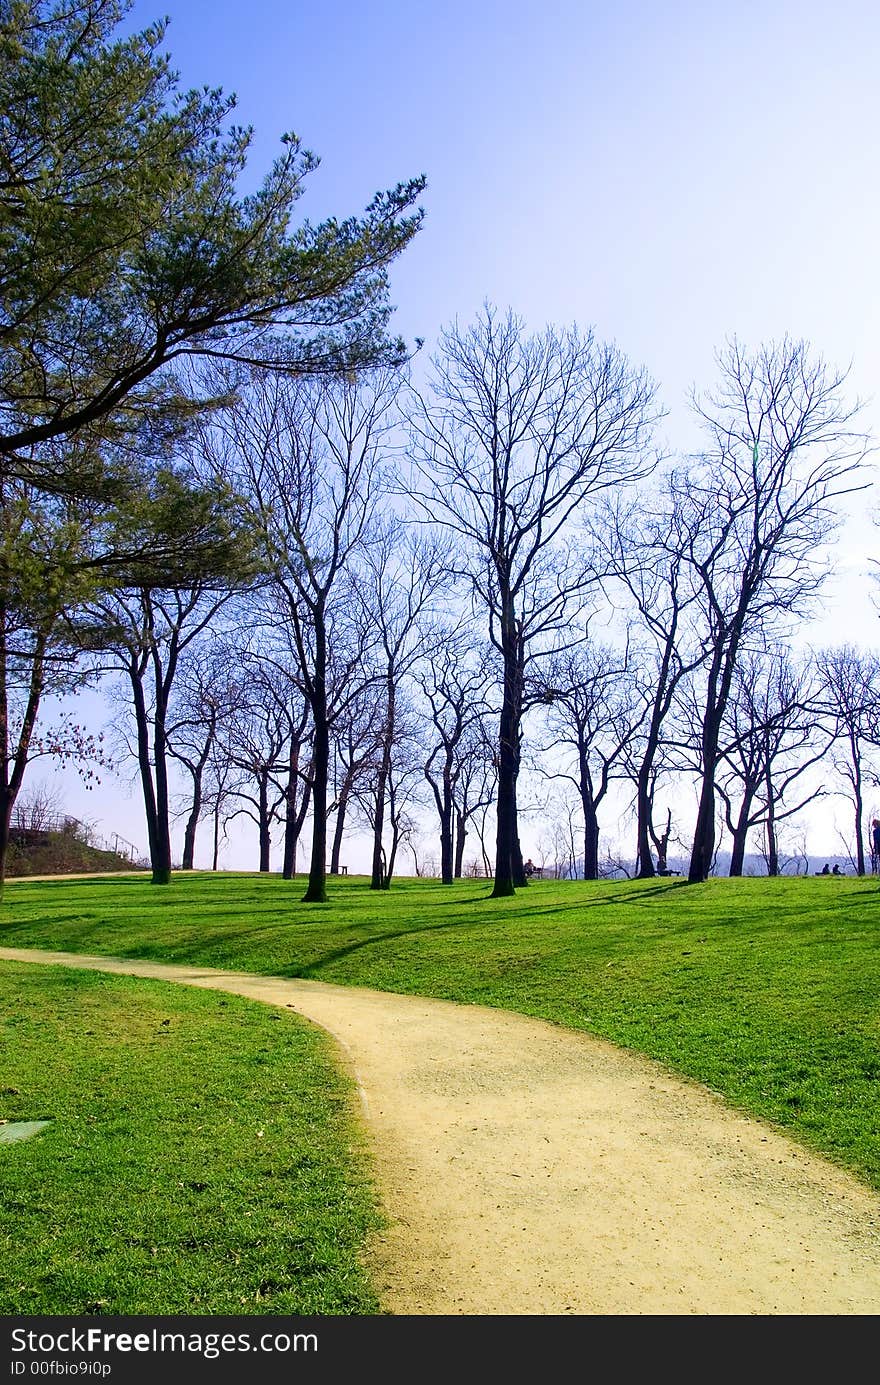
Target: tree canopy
<point>126,247</point>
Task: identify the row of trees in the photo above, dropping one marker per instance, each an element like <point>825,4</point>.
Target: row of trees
<point>423,747</point>
<point>427,585</point>
<point>127,255</point>
<point>324,582</point>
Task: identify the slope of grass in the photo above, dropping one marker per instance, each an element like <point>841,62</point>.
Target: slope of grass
<point>765,990</point>
<point>61,853</point>
<point>201,1155</point>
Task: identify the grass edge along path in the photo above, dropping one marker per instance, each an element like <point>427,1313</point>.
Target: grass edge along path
<point>766,991</point>
<point>202,1154</point>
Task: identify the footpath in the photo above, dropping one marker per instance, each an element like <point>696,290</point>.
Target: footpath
<point>527,1169</point>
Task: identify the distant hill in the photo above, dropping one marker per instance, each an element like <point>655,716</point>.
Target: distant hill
<point>38,851</point>
<point>752,865</point>
<point>790,865</point>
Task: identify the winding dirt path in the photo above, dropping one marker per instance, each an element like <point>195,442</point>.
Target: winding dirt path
<point>527,1169</point>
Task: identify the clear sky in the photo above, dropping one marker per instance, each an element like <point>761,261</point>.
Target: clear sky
<point>667,173</point>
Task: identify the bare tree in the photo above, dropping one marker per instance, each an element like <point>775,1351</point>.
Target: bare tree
<point>559,842</point>
<point>850,698</point>
<point>203,701</point>
<point>308,454</point>
<point>769,745</point>
<point>760,511</point>
<point>38,809</point>
<point>643,544</point>
<point>521,432</point>
<point>298,783</point>
<point>390,796</point>
<point>398,579</point>
<point>277,687</point>
<point>475,789</point>
<point>357,731</point>
<point>592,717</point>
<point>44,580</point>
<point>143,634</point>
<point>794,858</point>
<point>404,788</point>
<point>219,784</point>
<point>454,685</point>
<point>255,744</point>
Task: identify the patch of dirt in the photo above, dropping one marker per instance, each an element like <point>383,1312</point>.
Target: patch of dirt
<point>530,1170</point>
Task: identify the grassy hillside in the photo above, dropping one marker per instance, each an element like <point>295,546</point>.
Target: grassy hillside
<point>60,853</point>
<point>200,1156</point>
<point>765,990</point>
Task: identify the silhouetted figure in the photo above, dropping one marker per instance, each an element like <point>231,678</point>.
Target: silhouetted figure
<point>825,870</point>
<point>837,871</point>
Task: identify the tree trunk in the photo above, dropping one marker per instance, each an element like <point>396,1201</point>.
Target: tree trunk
<point>162,862</point>
<point>11,783</point>
<point>445,812</point>
<point>740,835</point>
<point>717,696</point>
<point>591,820</point>
<point>377,874</point>
<point>460,841</point>
<point>661,843</point>
<point>703,849</point>
<point>644,812</point>
<point>508,738</point>
<point>772,843</point>
<point>316,890</point>
<point>860,845</point>
<point>342,809</point>
<point>591,840</point>
<point>291,836</point>
<point>189,835</point>
<point>192,822</point>
<point>644,796</point>
<point>265,825</point>
<point>6,806</point>
<point>518,862</point>
<point>394,821</point>
<point>379,879</point>
<point>446,862</point>
<point>738,852</point>
<point>142,727</point>
<point>294,816</point>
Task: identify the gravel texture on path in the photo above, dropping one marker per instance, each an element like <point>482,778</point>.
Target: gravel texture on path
<point>528,1169</point>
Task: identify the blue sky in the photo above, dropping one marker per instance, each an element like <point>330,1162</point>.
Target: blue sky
<point>667,173</point>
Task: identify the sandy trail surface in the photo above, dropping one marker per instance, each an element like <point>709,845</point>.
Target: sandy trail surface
<point>527,1169</point>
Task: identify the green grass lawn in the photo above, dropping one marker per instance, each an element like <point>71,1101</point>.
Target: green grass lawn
<point>767,991</point>
<point>201,1155</point>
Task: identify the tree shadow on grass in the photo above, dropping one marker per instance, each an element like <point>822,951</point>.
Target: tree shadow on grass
<point>648,893</point>
<point>590,900</point>
<point>311,971</point>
